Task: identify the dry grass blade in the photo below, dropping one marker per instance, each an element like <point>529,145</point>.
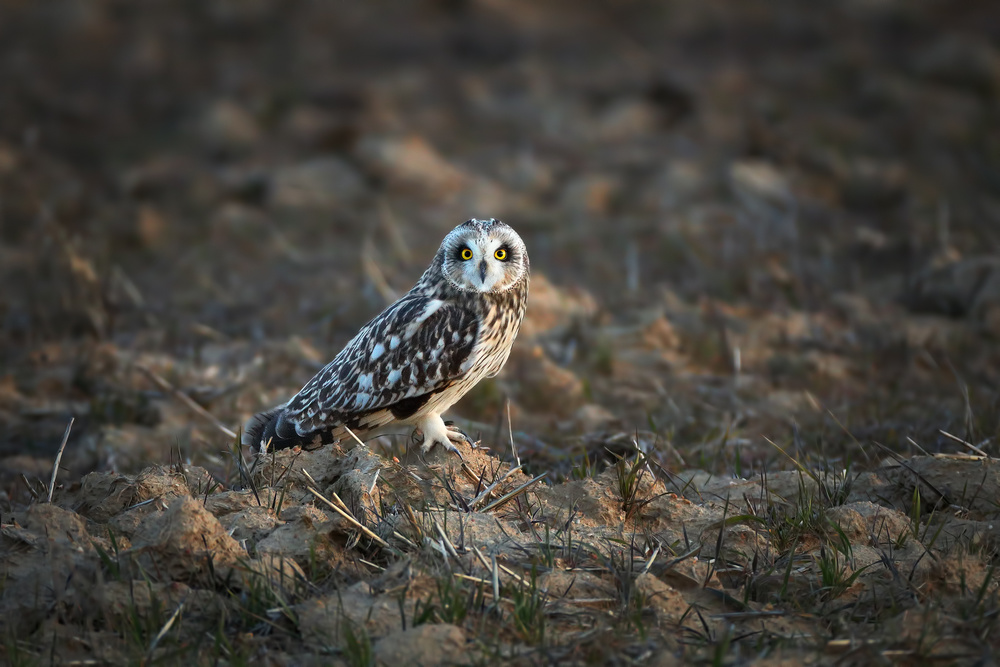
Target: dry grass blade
<point>354,435</point>
<point>469,474</point>
<point>59,455</point>
<point>652,559</point>
<point>339,500</point>
<point>164,630</point>
<point>374,273</point>
<point>791,458</point>
<point>246,474</point>
<point>469,577</point>
<point>488,490</point>
<point>412,518</point>
<point>513,494</point>
<point>482,559</point>
<point>351,520</point>
<point>495,576</point>
<point>914,443</point>
<point>186,400</point>
<point>27,485</point>
<point>371,564</point>
<point>971,446</point>
<point>447,542</point>
<point>403,538</point>
<point>899,459</point>
<point>510,434</point>
<point>310,478</point>
<point>343,505</point>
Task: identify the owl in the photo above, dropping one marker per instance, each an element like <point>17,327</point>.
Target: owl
<point>420,355</point>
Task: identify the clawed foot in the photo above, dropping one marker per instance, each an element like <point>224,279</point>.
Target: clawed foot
<point>446,436</point>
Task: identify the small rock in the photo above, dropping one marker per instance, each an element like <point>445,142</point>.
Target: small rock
<point>410,164</point>
<point>356,483</point>
<point>585,500</point>
<point>524,172</point>
<point>760,183</point>
<point>424,645</point>
<point>150,226</point>
<point>106,495</point>
<point>626,119</point>
<point>157,174</point>
<point>866,183</point>
<point>766,193</point>
<point>543,386</point>
<point>321,619</point>
<point>553,309</point>
<point>9,159</point>
<point>963,62</point>
<point>667,602</point>
<point>676,185</point>
<point>969,287</point>
<point>592,417</point>
<point>308,535</point>
<point>658,335</point>
<point>227,124</point>
<point>314,127</point>
<point>49,562</point>
<point>592,194</point>
<point>227,502</point>
<point>184,543</point>
<point>575,585</point>
<point>239,12</point>
<point>323,183</point>
<point>482,198</point>
<point>252,524</point>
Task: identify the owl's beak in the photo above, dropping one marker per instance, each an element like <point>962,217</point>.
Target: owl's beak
<point>482,270</point>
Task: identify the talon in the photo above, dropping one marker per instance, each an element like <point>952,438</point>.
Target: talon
<point>447,444</point>
<point>427,445</point>
<point>459,433</point>
<point>450,446</point>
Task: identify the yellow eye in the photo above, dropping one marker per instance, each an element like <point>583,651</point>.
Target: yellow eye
<point>466,254</point>
<point>500,254</point>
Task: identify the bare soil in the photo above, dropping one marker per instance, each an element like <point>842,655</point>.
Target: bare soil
<point>752,416</point>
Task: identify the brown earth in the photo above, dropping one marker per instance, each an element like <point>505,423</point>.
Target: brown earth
<point>759,370</point>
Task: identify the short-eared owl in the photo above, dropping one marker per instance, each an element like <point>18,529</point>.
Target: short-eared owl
<point>421,354</point>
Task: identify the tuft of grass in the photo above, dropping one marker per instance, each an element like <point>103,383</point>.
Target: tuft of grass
<point>835,575</point>
<point>451,602</point>
<point>584,468</point>
<point>14,653</point>
<point>357,649</point>
<point>112,566</point>
<point>528,614</point>
<point>628,481</point>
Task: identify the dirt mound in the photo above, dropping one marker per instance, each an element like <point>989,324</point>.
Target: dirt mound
<point>457,561</point>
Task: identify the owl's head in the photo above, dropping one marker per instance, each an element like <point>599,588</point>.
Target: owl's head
<point>483,256</point>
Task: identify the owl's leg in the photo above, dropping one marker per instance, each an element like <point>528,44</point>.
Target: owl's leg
<point>436,433</point>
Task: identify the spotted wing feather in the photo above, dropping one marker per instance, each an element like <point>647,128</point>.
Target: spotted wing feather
<point>417,347</point>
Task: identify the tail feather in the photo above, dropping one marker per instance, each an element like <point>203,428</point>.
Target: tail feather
<point>268,431</point>
<point>256,426</point>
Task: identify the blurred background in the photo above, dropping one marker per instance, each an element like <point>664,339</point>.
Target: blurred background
<point>745,218</point>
